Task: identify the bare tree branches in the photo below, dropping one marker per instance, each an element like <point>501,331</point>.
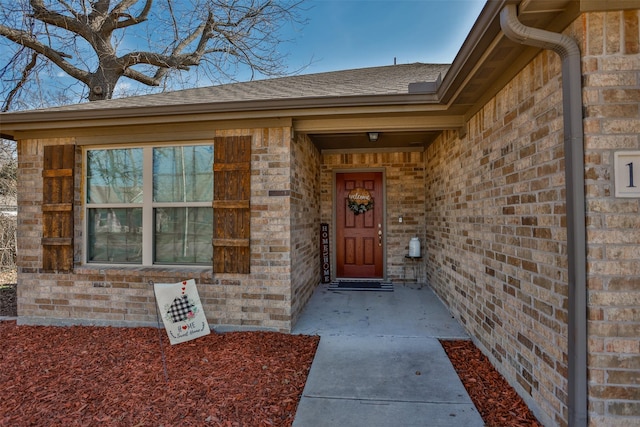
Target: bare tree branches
<point>8,170</point>
<point>149,42</point>
<point>25,76</point>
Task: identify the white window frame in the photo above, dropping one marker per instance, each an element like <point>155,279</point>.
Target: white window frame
<point>147,205</point>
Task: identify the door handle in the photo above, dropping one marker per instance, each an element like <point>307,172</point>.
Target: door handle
<point>379,237</point>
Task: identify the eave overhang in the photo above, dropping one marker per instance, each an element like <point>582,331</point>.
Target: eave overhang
<point>291,107</point>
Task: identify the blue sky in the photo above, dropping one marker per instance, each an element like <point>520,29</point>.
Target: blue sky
<point>345,34</point>
<point>349,34</point>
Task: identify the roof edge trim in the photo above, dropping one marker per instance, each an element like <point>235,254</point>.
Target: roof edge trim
<point>483,25</point>
<point>12,121</point>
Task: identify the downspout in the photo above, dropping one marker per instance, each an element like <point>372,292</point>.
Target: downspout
<point>567,48</point>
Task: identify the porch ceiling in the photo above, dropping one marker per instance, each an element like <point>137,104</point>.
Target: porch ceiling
<point>360,140</point>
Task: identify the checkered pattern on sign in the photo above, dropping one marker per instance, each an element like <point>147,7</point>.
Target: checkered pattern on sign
<point>179,309</point>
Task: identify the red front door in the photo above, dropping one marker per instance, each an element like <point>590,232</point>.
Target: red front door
<point>359,236</point>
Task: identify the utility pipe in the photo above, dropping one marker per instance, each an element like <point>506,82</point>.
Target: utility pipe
<point>567,48</point>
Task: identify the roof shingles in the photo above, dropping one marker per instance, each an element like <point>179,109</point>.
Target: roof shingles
<point>387,80</point>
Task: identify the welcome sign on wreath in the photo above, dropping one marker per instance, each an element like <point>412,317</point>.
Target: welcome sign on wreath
<point>360,200</point>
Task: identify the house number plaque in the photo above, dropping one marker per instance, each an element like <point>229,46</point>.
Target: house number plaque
<point>627,173</point>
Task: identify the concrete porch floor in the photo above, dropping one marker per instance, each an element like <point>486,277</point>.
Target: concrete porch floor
<point>380,363</point>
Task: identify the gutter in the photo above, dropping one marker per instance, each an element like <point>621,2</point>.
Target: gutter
<point>316,107</point>
<point>91,111</point>
<point>567,48</point>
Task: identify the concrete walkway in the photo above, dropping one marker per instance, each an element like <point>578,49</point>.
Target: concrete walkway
<point>379,361</point>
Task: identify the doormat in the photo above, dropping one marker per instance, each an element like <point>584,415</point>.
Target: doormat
<point>360,285</point>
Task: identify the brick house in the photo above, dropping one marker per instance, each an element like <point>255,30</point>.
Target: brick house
<point>515,165</point>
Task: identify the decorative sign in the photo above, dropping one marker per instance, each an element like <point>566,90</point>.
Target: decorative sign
<point>360,200</point>
<point>627,173</point>
<point>181,311</point>
<point>325,263</point>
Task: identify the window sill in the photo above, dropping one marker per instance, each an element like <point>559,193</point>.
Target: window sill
<point>183,270</point>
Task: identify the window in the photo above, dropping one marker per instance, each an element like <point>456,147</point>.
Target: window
<point>150,205</point>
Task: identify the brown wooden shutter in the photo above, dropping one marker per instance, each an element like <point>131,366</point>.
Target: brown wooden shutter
<point>231,209</point>
<point>57,208</point>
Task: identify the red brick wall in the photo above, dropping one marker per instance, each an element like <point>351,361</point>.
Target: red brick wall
<point>611,67</point>
<point>305,220</point>
<point>122,295</point>
<point>496,226</point>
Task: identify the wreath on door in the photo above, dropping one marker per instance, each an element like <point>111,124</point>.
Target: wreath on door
<point>360,200</point>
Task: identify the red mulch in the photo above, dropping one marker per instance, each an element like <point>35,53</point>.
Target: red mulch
<point>78,376</point>
<point>498,403</point>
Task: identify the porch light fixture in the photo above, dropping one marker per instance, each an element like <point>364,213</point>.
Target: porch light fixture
<point>373,136</point>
